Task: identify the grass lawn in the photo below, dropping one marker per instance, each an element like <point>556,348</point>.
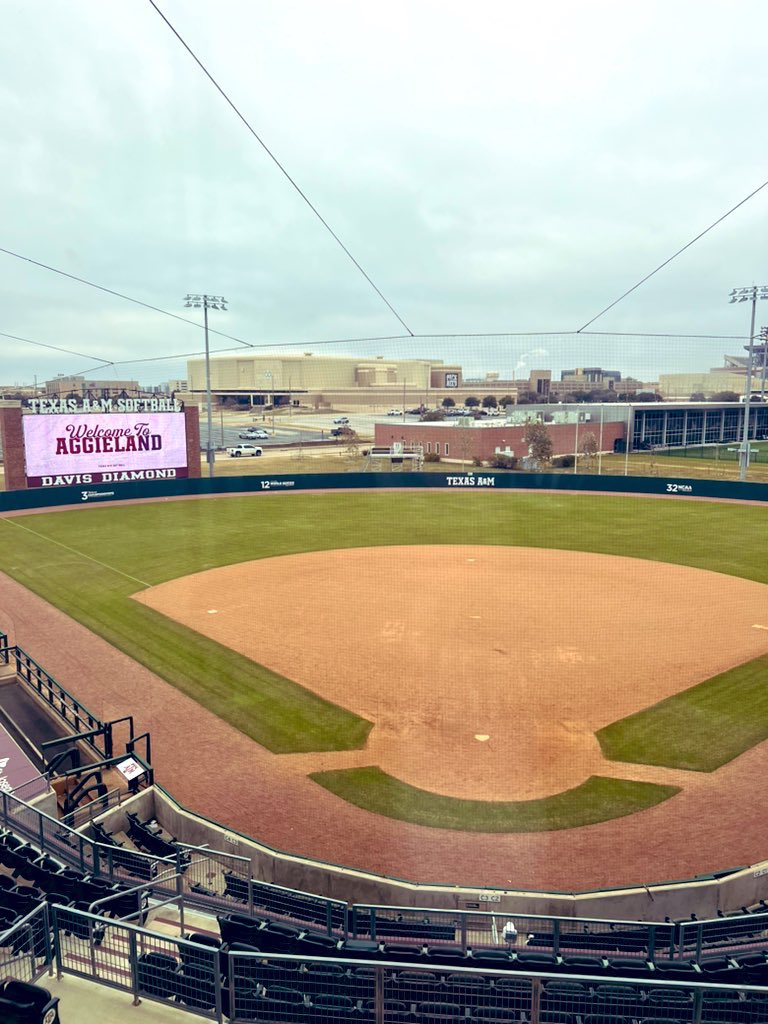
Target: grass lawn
<point>89,561</point>
<point>597,799</point>
<point>699,729</point>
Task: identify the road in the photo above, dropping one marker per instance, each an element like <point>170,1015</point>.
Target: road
<point>306,427</point>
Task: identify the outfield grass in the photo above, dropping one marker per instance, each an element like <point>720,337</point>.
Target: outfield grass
<point>596,799</point>
<point>89,561</point>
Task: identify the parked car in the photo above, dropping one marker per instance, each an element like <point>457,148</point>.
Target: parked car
<point>341,432</point>
<point>254,434</point>
<point>341,421</point>
<point>395,412</point>
<point>238,450</point>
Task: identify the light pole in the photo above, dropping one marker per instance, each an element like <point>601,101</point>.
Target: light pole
<point>763,355</point>
<point>207,302</point>
<point>751,294</point>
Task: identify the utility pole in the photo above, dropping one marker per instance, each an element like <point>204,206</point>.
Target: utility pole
<point>207,302</point>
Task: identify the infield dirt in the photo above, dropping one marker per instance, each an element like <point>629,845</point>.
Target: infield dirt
<point>485,670</point>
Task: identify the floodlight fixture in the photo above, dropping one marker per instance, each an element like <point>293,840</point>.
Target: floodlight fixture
<point>194,300</point>
<point>749,294</point>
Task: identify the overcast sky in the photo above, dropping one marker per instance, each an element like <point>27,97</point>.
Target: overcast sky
<point>494,167</point>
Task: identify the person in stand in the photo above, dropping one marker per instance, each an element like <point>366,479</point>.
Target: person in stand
<point>509,933</point>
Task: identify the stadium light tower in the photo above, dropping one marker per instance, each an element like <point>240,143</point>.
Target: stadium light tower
<point>751,294</point>
<point>207,302</point>
<point>763,357</point>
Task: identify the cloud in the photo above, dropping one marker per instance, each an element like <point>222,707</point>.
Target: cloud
<point>493,168</point>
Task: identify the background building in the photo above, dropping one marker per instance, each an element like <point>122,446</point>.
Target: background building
<point>325,381</point>
<point>79,387</point>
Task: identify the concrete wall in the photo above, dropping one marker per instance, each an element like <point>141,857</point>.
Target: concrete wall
<point>676,900</point>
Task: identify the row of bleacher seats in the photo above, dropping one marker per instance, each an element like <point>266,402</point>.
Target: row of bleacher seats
<point>148,839</point>
<point>133,863</point>
<point>284,991</point>
<point>263,935</point>
<point>610,941</point>
<point>262,982</point>
<point>30,877</point>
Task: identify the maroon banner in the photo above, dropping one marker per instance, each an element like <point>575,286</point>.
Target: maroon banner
<point>118,476</point>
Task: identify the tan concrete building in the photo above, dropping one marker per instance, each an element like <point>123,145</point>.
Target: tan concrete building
<point>678,387</point>
<point>322,380</point>
<point>63,387</point>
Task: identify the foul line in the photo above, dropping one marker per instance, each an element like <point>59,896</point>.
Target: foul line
<point>74,551</point>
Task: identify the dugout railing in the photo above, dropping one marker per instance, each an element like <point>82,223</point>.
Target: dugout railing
<point>82,725</point>
<point>215,882</point>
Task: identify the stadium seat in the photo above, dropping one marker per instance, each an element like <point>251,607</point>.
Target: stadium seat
<point>360,949</point>
<point>194,988</point>
<point>22,1003</point>
<point>314,943</point>
<point>535,961</point>
<point>440,1013</point>
<point>278,937</point>
<point>239,928</point>
<point>362,983</point>
<point>582,964</point>
<point>156,975</point>
<point>235,887</point>
<point>468,989</point>
<point>202,952</point>
<point>333,1007</point>
<point>403,951</point>
<point>448,954</point>
<point>326,979</point>
<point>413,986</point>
<point>395,1012</point>
<point>491,959</point>
<point>496,1014</point>
<point>716,965</point>
<point>281,1004</point>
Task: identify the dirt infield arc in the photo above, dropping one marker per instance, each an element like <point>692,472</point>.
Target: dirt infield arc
<point>216,770</point>
<point>529,649</point>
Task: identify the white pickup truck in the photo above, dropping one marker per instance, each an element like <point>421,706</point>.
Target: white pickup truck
<point>238,450</point>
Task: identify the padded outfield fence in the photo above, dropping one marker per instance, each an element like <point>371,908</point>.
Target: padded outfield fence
<point>13,501</point>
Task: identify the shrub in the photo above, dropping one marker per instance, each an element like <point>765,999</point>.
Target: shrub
<point>564,461</point>
<point>431,457</point>
<point>500,461</point>
<point>477,461</point>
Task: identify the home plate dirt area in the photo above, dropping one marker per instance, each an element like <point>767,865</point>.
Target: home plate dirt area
<point>485,670</point>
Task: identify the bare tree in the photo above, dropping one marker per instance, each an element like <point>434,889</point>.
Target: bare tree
<point>589,447</point>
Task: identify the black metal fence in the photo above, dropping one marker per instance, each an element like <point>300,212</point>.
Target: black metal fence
<point>241,985</point>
